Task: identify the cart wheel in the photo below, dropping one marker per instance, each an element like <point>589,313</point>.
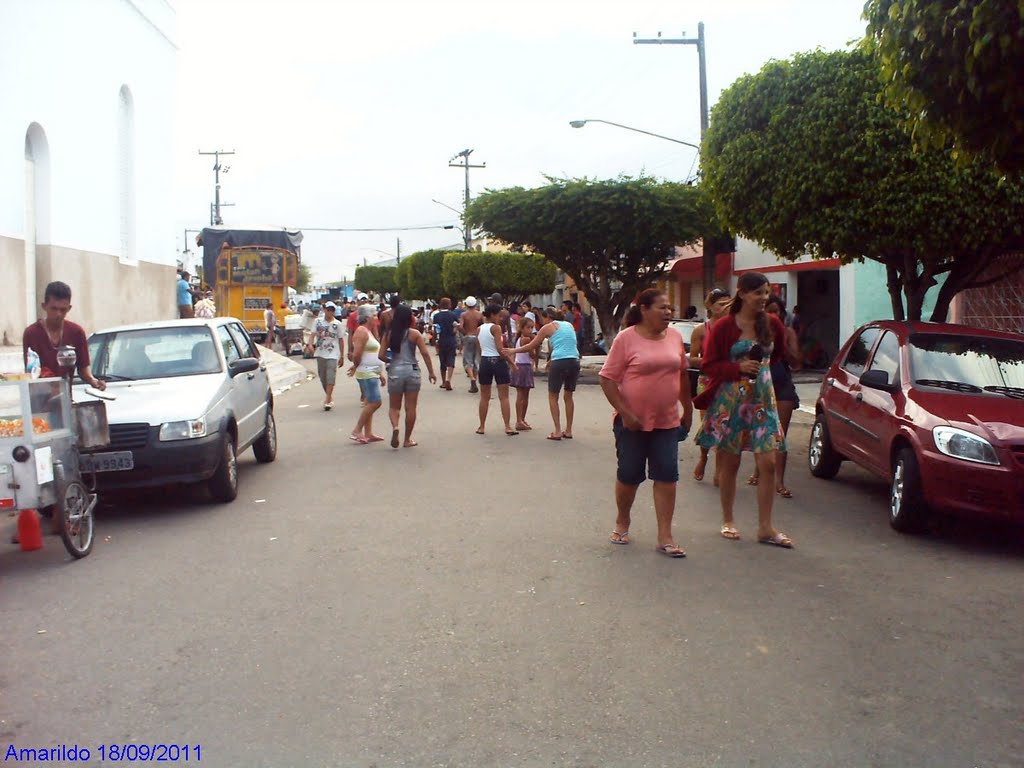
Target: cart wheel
<point>76,507</point>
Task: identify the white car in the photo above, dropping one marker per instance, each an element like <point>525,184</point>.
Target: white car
<point>186,398</point>
<point>685,328</point>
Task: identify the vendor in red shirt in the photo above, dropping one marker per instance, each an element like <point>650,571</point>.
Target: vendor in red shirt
<point>48,335</point>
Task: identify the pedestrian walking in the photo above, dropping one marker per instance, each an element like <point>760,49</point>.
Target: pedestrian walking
<point>368,370</point>
<point>741,409</point>
<point>270,321</point>
<point>563,369</point>
<point>469,329</point>
<point>717,304</point>
<point>402,340</point>
<point>445,320</point>
<point>645,380</point>
<point>327,345</point>
<point>522,374</point>
<point>494,368</point>
<point>786,396</point>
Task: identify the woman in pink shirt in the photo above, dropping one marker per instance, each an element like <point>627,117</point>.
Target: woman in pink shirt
<point>645,379</point>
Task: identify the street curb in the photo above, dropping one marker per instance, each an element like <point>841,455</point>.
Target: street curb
<point>283,372</point>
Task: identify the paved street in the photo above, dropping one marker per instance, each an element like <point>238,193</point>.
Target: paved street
<point>459,604</point>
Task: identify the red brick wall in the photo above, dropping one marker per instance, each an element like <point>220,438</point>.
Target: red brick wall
<point>999,306</point>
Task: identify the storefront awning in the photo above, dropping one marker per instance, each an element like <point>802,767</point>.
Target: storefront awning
<point>690,269</point>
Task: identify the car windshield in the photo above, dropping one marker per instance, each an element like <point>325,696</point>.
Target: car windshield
<point>968,363</point>
<point>153,353</point>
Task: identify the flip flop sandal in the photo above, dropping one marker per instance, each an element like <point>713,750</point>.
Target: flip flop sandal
<point>670,550</point>
<point>730,532</point>
<point>566,437</point>
<point>619,538</point>
<point>553,436</point>
<point>479,431</point>
<point>777,540</point>
<point>374,439</point>
<point>784,492</point>
<point>753,480</point>
<point>510,433</point>
<point>394,438</point>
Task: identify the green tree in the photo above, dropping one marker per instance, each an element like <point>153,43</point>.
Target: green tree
<point>953,68</point>
<point>613,237</point>
<point>803,158</point>
<point>304,278</point>
<point>514,275</point>
<point>379,280</point>
<point>419,275</point>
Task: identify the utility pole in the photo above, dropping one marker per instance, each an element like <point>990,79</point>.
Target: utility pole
<point>464,154</point>
<point>215,217</point>
<point>708,255</point>
<point>398,250</point>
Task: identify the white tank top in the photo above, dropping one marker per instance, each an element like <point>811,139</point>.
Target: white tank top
<point>487,346</point>
<point>369,363</point>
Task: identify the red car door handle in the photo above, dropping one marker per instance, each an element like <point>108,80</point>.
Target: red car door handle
<point>860,396</point>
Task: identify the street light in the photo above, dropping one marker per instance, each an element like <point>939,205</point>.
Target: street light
<point>581,123</point>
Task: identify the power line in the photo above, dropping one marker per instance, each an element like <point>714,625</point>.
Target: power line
<point>368,229</point>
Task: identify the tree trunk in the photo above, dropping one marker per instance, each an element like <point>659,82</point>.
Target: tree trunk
<point>894,286</point>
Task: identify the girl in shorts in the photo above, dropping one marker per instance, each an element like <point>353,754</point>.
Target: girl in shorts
<point>402,341</point>
<point>522,376</point>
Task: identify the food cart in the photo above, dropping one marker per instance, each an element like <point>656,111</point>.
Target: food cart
<point>41,437</point>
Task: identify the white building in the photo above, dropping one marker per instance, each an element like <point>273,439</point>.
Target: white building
<point>87,114</point>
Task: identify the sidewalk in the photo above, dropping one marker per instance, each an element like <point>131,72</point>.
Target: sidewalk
<point>284,372</point>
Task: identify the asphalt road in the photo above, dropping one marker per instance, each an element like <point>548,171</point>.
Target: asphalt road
<point>458,604</point>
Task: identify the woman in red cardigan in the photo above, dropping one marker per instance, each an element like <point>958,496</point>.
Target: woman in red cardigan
<point>742,414</point>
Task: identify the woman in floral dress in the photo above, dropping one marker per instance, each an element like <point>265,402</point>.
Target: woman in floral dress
<point>742,414</point>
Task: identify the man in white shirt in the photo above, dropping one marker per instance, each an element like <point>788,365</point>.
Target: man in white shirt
<point>327,344</point>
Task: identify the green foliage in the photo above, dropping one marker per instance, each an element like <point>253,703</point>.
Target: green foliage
<point>305,277</point>
<point>514,275</point>
<point>379,280</point>
<point>601,233</point>
<point>419,275</point>
<point>803,158</point>
<point>954,69</point>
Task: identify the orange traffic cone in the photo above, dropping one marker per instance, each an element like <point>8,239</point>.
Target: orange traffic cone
<point>30,533</point>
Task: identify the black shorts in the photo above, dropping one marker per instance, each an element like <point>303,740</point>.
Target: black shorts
<point>564,372</point>
<point>446,355</point>
<point>493,369</point>
<point>656,451</point>
<point>782,381</point>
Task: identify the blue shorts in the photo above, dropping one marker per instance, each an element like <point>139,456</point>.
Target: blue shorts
<point>656,451</point>
<point>370,389</point>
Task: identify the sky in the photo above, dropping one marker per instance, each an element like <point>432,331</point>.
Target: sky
<point>345,114</point>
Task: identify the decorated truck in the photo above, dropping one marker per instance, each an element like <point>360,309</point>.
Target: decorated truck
<point>249,271</point>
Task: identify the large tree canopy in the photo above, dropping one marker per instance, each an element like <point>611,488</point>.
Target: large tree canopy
<point>375,279</point>
<point>419,275</point>
<point>803,158</point>
<point>613,237</point>
<point>514,275</point>
<point>956,70</point>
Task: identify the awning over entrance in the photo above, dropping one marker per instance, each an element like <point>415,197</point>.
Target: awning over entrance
<point>690,269</point>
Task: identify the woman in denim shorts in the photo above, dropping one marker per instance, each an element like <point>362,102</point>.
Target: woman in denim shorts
<point>402,340</point>
<point>645,379</point>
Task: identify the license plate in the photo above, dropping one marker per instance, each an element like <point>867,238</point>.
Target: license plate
<point>115,461</point>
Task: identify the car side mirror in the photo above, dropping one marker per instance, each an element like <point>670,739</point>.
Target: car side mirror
<point>877,379</point>
<point>245,365</point>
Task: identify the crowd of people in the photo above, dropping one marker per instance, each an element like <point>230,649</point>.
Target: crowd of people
<point>745,394</point>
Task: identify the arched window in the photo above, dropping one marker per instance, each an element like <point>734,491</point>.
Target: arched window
<point>37,207</point>
<point>126,172</point>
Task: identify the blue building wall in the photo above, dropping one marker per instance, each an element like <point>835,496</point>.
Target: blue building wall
<point>872,297</point>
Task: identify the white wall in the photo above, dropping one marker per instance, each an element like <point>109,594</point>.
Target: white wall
<point>64,63</point>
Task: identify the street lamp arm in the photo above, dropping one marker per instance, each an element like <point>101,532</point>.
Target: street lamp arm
<point>581,123</point>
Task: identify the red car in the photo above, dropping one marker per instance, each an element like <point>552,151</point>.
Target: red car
<point>936,409</point>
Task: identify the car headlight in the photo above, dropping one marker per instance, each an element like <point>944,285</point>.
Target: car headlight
<point>183,430</point>
<point>961,444</point>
